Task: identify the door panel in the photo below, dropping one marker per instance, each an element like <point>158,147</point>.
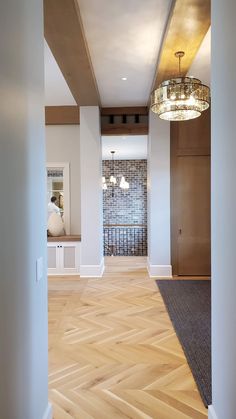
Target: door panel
<point>52,257</point>
<point>70,260</point>
<point>69,257</point>
<point>193,215</point>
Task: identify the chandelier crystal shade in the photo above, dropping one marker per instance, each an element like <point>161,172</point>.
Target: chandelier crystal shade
<point>180,98</point>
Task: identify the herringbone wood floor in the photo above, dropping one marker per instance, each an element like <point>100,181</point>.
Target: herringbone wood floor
<point>113,352</point>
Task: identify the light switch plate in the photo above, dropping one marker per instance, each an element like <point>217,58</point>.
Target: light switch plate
<point>39,269</point>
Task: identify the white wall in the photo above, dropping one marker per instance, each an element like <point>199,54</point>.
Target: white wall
<point>23,300</point>
<point>91,192</point>
<point>159,197</point>
<point>223,210</point>
<point>63,145</point>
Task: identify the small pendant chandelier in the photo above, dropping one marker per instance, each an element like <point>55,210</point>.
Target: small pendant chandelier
<point>112,180</point>
<point>180,98</point>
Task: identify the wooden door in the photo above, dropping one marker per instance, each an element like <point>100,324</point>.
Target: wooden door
<point>193,218</point>
<point>190,196</point>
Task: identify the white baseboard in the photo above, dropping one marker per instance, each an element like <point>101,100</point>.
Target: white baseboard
<point>48,412</point>
<point>211,412</point>
<point>65,274</point>
<point>159,271</point>
<point>90,271</point>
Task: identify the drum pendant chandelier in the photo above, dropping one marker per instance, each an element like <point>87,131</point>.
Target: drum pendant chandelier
<point>180,98</point>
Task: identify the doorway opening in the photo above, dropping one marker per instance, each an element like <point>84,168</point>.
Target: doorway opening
<point>124,169</point>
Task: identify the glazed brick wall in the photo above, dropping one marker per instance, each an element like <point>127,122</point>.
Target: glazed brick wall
<point>127,206</point>
<point>125,241</point>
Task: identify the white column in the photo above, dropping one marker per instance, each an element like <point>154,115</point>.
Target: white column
<point>92,261</point>
<point>159,264</point>
<point>23,299</point>
<point>223,210</point>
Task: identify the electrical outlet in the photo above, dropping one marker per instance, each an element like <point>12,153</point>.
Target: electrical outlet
<point>39,269</point>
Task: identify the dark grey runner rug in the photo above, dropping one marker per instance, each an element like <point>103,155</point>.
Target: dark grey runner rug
<point>188,303</point>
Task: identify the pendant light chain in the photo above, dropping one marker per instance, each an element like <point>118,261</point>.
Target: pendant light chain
<point>179,55</point>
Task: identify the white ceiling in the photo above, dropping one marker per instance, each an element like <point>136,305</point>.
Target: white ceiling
<point>57,91</point>
<point>124,38</point>
<point>125,146</point>
<point>201,66</point>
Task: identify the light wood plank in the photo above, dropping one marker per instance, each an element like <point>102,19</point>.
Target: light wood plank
<point>69,238</point>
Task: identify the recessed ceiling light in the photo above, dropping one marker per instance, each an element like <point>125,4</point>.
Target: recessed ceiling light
<point>124,78</point>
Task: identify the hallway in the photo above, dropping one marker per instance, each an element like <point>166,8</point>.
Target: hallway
<point>113,352</point>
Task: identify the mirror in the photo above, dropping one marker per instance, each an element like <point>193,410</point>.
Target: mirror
<point>58,192</point>
<point>55,187</point>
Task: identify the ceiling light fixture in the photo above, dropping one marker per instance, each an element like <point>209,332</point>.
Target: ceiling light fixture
<point>180,98</point>
<point>124,78</point>
<point>112,180</point>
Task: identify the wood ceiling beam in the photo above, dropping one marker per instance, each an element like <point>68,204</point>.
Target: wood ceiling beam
<point>125,129</point>
<point>69,115</point>
<point>62,115</point>
<point>188,24</point>
<point>129,120</point>
<point>64,34</point>
<point>129,110</point>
